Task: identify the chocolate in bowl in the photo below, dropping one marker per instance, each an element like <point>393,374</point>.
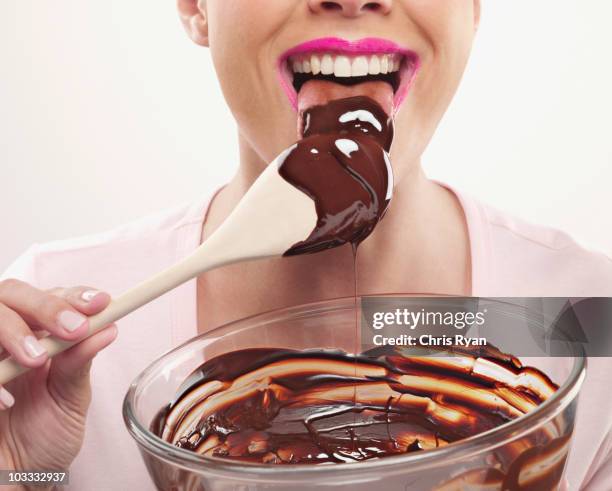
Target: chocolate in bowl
<point>282,406</point>
<point>524,453</point>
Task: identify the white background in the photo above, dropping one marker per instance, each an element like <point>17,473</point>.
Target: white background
<point>106,112</point>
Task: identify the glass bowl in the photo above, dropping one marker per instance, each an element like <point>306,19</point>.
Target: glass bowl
<point>528,453</point>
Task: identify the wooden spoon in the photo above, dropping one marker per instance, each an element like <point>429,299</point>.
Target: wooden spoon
<point>271,217</point>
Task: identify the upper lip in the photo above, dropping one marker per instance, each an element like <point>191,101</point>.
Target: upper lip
<point>337,46</point>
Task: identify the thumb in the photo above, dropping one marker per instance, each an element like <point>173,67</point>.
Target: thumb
<point>69,372</point>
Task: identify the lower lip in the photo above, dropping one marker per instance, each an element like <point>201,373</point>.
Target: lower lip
<point>407,73</point>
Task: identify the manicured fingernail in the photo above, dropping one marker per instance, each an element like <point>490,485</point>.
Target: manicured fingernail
<point>6,398</point>
<point>33,347</point>
<point>89,295</point>
<point>70,320</point>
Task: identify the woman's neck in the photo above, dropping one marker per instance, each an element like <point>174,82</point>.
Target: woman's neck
<point>420,246</point>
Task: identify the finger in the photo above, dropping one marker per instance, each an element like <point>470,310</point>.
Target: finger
<point>42,309</point>
<point>18,339</point>
<point>85,299</point>
<point>69,372</point>
<point>6,399</point>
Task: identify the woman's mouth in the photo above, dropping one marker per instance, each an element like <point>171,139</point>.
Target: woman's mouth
<point>324,69</point>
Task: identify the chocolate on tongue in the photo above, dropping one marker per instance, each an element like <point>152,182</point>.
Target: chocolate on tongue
<point>343,165</point>
<point>321,92</point>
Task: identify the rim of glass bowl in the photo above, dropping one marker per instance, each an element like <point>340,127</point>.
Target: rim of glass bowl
<point>461,449</point>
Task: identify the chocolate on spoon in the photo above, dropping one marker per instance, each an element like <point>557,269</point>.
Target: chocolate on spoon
<point>343,165</point>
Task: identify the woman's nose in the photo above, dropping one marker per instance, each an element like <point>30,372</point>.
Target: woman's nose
<point>350,8</point>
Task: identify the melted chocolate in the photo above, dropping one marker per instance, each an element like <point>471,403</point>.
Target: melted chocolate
<point>316,406</point>
<point>280,406</point>
<point>342,164</point>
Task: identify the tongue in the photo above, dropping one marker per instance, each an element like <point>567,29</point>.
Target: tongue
<point>320,92</point>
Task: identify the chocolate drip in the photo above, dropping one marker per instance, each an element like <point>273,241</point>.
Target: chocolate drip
<point>342,164</point>
<point>281,406</point>
<point>317,406</point>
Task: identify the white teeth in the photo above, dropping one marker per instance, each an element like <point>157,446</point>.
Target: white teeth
<point>342,67</point>
<point>315,64</point>
<point>346,66</point>
<point>374,65</point>
<point>360,67</point>
<point>384,64</point>
<point>327,65</point>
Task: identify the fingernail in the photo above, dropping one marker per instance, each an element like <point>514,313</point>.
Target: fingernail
<point>70,320</point>
<point>6,398</point>
<point>33,347</point>
<point>89,295</point>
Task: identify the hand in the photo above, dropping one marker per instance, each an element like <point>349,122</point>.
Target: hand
<point>43,414</point>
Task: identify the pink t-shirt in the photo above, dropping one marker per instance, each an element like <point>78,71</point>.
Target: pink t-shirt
<point>509,258</point>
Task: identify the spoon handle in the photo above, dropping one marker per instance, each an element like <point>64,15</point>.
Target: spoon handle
<point>119,307</point>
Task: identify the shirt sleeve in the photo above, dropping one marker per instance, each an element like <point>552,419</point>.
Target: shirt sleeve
<point>24,267</point>
<point>602,479</point>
